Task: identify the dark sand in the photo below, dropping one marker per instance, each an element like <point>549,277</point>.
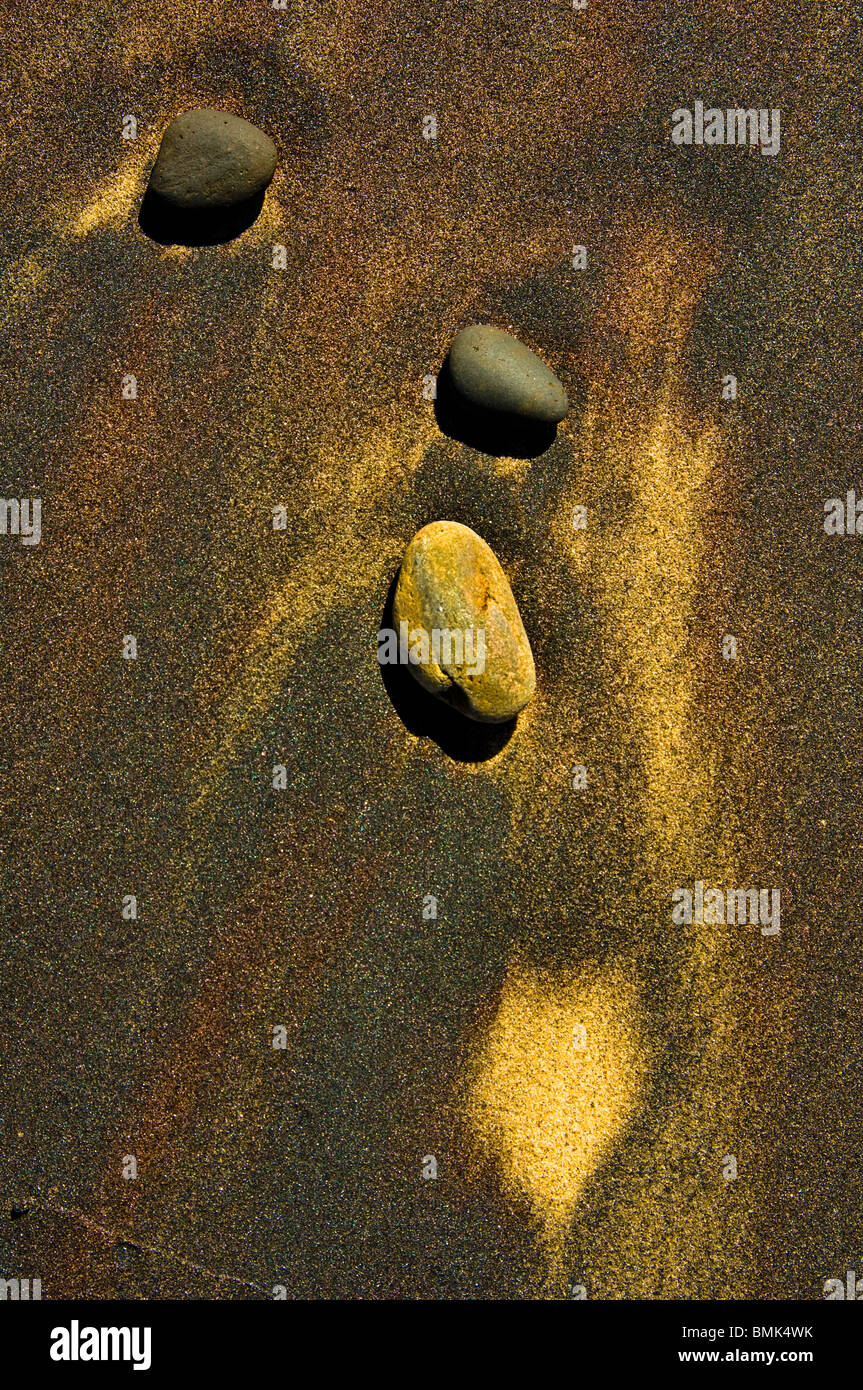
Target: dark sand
<point>601,1164</point>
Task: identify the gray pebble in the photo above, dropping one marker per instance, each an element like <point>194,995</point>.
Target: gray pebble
<point>493,370</point>
<point>211,159</point>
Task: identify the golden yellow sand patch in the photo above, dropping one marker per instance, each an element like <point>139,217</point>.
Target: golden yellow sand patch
<point>561,1072</point>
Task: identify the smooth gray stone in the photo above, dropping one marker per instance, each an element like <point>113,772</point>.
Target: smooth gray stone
<point>493,370</point>
<point>211,159</point>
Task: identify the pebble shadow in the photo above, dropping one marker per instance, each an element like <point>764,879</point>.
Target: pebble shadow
<point>169,226</point>
<point>462,739</point>
<point>502,436</point>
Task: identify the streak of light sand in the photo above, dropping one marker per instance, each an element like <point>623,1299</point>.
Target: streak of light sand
<point>114,201</point>
<point>645,577</point>
<point>327,579</point>
<point>44,274</point>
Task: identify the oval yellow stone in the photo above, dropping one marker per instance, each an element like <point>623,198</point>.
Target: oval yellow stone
<point>456,615</point>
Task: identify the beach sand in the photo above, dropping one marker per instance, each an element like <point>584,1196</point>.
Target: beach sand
<point>581,1069</point>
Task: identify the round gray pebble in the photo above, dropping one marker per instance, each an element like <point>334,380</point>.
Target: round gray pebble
<point>212,159</point>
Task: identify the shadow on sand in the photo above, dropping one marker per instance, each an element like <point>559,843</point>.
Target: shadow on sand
<point>169,226</point>
<point>503,436</point>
